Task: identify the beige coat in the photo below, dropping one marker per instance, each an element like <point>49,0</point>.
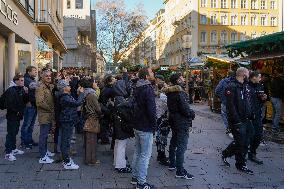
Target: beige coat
<point>45,104</point>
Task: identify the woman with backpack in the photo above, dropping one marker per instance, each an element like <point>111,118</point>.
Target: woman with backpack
<point>121,131</point>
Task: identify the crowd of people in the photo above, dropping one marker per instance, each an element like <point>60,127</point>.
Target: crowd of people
<point>113,109</point>
<point>108,110</point>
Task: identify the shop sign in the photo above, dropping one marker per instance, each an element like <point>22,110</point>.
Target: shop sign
<point>164,68</point>
<point>8,12</point>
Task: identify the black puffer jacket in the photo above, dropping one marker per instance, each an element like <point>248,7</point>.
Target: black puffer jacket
<point>181,115</point>
<point>256,90</point>
<point>238,104</point>
<point>16,100</point>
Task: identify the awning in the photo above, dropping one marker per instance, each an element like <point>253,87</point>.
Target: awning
<point>265,44</point>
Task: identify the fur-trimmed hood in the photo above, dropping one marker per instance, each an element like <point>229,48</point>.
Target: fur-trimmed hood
<point>172,89</point>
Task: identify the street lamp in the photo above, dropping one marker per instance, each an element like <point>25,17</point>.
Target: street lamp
<point>186,44</point>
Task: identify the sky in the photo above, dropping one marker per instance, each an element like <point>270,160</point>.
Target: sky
<point>151,6</point>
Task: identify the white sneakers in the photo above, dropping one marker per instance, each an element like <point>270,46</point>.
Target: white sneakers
<point>46,160</point>
<point>71,165</point>
<point>50,154</point>
<point>17,152</point>
<point>11,156</point>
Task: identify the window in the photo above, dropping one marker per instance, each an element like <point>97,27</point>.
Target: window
<point>234,20</point>
<point>272,5</point>
<point>79,4</point>
<point>203,19</point>
<point>253,4</point>
<point>224,37</point>
<point>224,20</point>
<point>213,3</point>
<point>263,21</point>
<point>253,35</point>
<point>243,37</point>
<point>243,20</point>
<point>203,37</point>
<point>253,21</point>
<point>28,5</point>
<point>233,4</point>
<point>213,20</point>
<point>234,37</point>
<point>273,21</point>
<point>243,4</point>
<point>68,4</point>
<point>223,4</point>
<point>203,3</point>
<point>213,37</point>
<point>263,4</point>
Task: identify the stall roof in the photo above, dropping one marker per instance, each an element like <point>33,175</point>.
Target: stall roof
<point>222,58</point>
<point>271,38</point>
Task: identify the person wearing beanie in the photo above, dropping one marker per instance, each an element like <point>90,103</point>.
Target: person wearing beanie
<point>180,120</point>
<point>68,117</point>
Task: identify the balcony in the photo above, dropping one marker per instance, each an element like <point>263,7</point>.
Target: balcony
<point>51,29</point>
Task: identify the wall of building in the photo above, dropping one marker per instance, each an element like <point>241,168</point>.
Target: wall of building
<point>80,11</point>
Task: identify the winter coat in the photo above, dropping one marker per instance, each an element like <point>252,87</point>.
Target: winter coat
<point>238,104</point>
<point>68,108</point>
<point>121,92</point>
<point>16,99</point>
<point>256,90</point>
<point>145,119</point>
<point>30,83</point>
<point>221,87</point>
<point>45,103</point>
<point>180,113</point>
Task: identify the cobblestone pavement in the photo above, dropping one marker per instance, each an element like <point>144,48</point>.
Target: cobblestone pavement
<point>202,159</point>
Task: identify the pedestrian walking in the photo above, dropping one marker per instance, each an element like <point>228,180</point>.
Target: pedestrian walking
<point>239,120</point>
<point>14,99</point>
<point>144,124</point>
<point>257,99</point>
<point>46,118</point>
<point>180,119</point>
<point>30,113</point>
<point>68,117</point>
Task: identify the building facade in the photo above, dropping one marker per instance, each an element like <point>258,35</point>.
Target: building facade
<point>80,35</point>
<point>193,28</point>
<point>30,31</point>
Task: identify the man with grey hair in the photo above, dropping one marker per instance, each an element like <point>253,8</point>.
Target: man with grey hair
<point>239,116</point>
<point>45,107</point>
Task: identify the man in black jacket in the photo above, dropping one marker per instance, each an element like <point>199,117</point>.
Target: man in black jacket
<point>16,97</point>
<point>180,119</point>
<point>30,111</point>
<point>257,99</point>
<point>239,118</point>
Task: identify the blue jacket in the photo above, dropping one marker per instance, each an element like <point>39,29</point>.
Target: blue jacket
<point>68,107</point>
<point>221,87</point>
<point>145,118</point>
<point>28,81</point>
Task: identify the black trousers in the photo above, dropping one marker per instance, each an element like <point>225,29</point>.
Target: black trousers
<point>12,131</point>
<point>257,135</point>
<point>239,147</point>
<point>105,129</point>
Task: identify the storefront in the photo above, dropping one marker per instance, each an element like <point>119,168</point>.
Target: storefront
<point>16,41</point>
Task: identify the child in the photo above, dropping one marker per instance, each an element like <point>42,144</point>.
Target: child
<point>68,117</point>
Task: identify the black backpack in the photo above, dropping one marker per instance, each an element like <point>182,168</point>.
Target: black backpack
<point>127,110</point>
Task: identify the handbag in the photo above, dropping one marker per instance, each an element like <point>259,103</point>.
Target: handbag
<point>92,125</point>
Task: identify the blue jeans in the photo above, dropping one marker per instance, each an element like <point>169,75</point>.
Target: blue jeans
<point>178,147</point>
<point>28,125</point>
<point>224,115</point>
<point>142,155</point>
<point>43,136</point>
<point>277,110</point>
<point>66,133</point>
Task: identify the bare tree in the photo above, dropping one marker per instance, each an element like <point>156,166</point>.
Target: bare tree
<point>117,27</point>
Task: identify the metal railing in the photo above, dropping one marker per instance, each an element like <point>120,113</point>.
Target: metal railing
<point>45,16</point>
